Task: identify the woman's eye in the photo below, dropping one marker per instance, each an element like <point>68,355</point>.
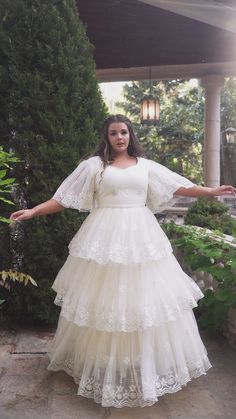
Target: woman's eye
<point>112,134</point>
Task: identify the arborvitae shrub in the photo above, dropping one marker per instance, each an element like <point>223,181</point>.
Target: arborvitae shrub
<point>51,115</point>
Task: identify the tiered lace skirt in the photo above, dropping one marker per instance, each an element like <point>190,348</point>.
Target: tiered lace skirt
<point>126,332</point>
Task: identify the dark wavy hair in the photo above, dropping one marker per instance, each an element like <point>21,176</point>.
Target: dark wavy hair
<point>104,150</point>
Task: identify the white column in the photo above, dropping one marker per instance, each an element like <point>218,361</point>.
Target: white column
<point>211,157</point>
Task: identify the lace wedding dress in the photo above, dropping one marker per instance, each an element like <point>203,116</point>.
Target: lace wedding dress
<point>126,332</point>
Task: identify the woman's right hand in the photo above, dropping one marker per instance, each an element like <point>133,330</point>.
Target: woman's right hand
<point>22,215</point>
<point>47,207</point>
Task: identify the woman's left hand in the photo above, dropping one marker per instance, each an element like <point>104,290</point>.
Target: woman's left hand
<point>223,190</point>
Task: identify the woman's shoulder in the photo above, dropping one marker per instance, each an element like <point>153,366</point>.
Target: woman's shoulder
<point>94,161</point>
<point>149,163</point>
<point>155,168</point>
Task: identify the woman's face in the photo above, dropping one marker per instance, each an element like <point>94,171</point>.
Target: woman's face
<point>118,137</point>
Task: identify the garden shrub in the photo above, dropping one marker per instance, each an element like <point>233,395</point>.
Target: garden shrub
<point>212,214</point>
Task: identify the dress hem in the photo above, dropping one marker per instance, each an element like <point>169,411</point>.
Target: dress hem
<point>137,402</point>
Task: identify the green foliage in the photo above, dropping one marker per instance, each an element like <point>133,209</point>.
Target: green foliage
<point>6,182</point>
<point>51,115</point>
<point>14,276</point>
<point>212,214</point>
<point>228,104</point>
<point>228,120</point>
<point>207,252</point>
<point>176,141</point>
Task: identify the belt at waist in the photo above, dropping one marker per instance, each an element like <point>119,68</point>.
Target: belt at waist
<point>121,206</point>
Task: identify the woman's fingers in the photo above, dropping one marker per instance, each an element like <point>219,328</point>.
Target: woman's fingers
<point>229,189</point>
<point>21,215</point>
<point>225,189</point>
<point>16,215</point>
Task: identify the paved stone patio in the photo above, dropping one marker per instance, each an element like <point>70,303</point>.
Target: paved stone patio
<point>29,391</point>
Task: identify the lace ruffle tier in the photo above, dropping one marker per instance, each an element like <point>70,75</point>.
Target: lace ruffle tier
<point>117,297</point>
<point>120,235</point>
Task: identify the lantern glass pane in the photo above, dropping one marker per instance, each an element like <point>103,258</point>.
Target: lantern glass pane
<point>157,110</point>
<point>151,109</point>
<point>144,110</point>
<point>230,137</point>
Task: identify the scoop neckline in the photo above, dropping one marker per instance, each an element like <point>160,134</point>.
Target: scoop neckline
<point>127,167</point>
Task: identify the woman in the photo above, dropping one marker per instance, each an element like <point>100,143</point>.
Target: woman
<point>126,331</point>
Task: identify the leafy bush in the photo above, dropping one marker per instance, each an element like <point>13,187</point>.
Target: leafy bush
<point>211,214</point>
<point>6,184</point>
<point>5,181</point>
<point>207,252</point>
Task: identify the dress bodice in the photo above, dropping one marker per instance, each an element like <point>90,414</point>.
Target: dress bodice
<point>122,188</point>
<point>91,186</point>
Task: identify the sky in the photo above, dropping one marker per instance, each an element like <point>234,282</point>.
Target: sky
<point>112,93</point>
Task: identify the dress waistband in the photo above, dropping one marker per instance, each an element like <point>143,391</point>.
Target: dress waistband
<point>121,206</point>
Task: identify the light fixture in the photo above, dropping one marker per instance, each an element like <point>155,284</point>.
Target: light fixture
<point>150,106</point>
<point>230,134</point>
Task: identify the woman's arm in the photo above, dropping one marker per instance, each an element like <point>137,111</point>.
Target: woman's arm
<point>47,207</point>
<point>196,191</point>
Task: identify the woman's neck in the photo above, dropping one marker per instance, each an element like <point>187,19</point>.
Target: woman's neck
<point>122,157</point>
<point>124,160</point>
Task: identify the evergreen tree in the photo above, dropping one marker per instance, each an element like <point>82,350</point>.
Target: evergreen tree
<point>176,141</point>
<point>51,112</point>
<point>228,104</point>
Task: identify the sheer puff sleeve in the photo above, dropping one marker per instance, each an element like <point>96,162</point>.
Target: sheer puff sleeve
<point>78,189</point>
<point>162,185</point>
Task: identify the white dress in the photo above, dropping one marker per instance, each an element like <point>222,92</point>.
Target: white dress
<point>126,332</point>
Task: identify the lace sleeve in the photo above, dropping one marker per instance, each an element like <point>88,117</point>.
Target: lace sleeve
<point>77,190</point>
<point>162,185</point>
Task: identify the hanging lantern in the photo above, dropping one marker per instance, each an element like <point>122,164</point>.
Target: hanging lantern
<point>150,106</point>
<point>150,110</point>
<point>230,135</point>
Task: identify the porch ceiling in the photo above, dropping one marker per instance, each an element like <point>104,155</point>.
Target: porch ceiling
<point>131,34</point>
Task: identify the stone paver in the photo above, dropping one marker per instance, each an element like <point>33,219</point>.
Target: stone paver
<point>32,343</point>
<point>153,412</point>
<point>29,391</point>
